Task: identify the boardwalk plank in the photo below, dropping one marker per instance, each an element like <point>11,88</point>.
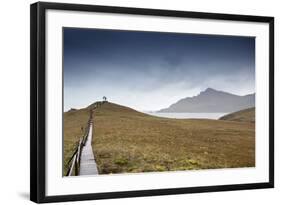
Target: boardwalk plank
<point>88,164</point>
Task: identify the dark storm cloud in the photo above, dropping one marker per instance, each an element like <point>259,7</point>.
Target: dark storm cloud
<point>151,61</point>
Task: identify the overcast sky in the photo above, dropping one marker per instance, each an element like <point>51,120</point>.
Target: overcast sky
<point>151,70</point>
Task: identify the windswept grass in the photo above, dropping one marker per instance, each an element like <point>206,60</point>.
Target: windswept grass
<point>129,141</point>
<point>73,120</point>
<point>247,115</point>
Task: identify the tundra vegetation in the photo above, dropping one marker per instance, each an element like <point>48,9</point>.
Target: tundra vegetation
<point>128,141</point>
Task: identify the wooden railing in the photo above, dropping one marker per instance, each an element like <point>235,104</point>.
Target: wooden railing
<point>75,160</point>
<point>73,169</point>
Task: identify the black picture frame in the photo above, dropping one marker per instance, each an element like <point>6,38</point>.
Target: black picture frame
<point>38,101</point>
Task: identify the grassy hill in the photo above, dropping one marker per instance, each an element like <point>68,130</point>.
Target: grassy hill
<point>126,140</point>
<point>73,121</point>
<point>247,115</point>
<point>129,141</point>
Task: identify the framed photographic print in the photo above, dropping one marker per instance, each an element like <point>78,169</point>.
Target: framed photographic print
<point>129,102</point>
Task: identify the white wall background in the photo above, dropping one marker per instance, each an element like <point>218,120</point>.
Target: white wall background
<point>14,101</point>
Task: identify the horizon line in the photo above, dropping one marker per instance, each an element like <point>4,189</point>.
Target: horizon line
<point>160,108</point>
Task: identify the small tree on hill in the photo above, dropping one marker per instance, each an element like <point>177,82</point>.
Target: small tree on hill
<point>104,99</point>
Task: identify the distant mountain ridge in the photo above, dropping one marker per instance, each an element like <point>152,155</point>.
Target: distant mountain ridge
<point>212,100</point>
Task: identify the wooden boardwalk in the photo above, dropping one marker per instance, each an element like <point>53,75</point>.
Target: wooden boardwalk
<point>88,164</point>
